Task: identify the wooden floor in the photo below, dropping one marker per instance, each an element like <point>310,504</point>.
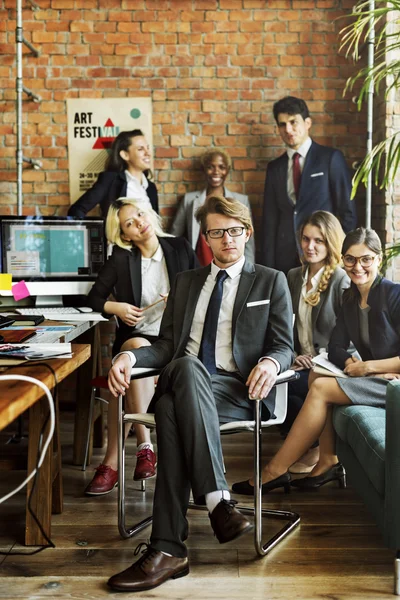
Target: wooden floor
<point>336,553</point>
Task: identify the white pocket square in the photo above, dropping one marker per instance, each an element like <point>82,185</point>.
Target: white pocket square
<point>317,174</point>
<point>257,303</point>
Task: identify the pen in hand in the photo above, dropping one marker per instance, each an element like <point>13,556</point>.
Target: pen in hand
<point>154,303</point>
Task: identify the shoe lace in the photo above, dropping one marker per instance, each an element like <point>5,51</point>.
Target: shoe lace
<point>102,470</point>
<point>145,453</point>
<point>229,505</point>
<point>146,551</point>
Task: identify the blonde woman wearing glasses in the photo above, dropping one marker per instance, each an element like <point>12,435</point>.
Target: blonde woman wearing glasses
<point>370,318</point>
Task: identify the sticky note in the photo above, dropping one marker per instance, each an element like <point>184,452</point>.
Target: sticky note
<point>5,281</point>
<point>20,291</point>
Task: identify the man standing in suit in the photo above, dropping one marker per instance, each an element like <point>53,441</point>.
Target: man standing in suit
<point>308,177</point>
<point>225,335</point>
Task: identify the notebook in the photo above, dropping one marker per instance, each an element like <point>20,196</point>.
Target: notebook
<point>12,336</point>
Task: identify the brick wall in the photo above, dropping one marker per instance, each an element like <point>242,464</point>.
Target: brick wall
<point>213,68</point>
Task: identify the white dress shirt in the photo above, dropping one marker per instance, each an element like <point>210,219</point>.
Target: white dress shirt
<point>223,346</point>
<point>304,322</point>
<point>304,148</point>
<point>155,281</point>
<point>136,189</point>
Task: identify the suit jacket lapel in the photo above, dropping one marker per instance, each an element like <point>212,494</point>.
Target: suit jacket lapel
<point>245,284</point>
<point>135,270</point>
<point>297,292</point>
<point>171,259</point>
<point>308,166</point>
<point>317,309</point>
<point>189,304</point>
<point>195,226</point>
<point>353,323</point>
<point>282,177</point>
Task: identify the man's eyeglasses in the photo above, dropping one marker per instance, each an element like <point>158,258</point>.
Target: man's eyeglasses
<point>214,234</point>
<point>365,261</point>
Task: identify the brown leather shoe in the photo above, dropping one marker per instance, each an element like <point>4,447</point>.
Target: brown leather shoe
<point>150,571</point>
<point>227,522</point>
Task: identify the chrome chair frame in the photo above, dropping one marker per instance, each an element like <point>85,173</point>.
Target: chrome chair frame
<point>93,397</point>
<point>292,519</point>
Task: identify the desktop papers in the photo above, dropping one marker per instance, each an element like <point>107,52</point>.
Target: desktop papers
<point>35,351</point>
<point>66,317</point>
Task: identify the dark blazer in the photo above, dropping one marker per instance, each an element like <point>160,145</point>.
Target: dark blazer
<point>109,186</point>
<point>121,275</point>
<point>323,316</point>
<point>325,185</point>
<point>383,322</point>
<point>257,330</point>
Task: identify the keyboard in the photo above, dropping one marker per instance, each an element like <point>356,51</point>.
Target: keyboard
<point>64,310</point>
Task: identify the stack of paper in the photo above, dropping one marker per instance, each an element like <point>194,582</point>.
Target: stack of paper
<point>35,351</point>
<point>323,366</point>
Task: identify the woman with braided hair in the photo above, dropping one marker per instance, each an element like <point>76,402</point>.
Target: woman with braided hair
<point>316,289</point>
<point>370,319</point>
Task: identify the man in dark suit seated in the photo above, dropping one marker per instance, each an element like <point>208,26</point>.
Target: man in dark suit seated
<point>306,178</point>
<point>225,335</point>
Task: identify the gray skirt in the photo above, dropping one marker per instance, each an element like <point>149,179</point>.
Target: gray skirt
<point>368,391</point>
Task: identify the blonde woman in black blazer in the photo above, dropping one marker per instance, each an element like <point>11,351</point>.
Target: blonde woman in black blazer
<point>138,274</point>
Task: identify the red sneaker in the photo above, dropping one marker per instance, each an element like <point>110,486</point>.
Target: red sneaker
<point>145,465</point>
<point>103,482</point>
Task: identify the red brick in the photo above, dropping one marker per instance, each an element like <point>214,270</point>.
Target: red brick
<point>192,16</point>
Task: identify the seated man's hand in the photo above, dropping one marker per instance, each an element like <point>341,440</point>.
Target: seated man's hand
<point>261,379</point>
<point>119,376</point>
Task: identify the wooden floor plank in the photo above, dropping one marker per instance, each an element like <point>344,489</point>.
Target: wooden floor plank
<point>337,553</point>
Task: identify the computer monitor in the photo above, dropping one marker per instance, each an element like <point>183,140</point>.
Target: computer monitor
<point>55,256</point>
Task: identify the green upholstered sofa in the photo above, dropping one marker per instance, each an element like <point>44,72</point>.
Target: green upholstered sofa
<point>368,445</point>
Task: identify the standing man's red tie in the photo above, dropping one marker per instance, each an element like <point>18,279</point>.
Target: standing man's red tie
<point>296,173</point>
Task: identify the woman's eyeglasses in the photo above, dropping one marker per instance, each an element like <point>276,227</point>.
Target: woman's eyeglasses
<point>365,261</point>
<point>214,234</point>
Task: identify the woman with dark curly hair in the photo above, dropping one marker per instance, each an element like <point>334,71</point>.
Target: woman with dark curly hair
<point>216,165</point>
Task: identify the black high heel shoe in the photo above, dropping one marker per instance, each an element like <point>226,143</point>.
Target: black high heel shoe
<point>244,487</point>
<point>335,473</point>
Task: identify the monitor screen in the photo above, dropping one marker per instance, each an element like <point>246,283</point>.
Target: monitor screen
<point>46,250</point>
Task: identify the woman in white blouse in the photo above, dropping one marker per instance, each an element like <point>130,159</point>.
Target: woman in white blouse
<point>138,274</point>
<point>316,289</point>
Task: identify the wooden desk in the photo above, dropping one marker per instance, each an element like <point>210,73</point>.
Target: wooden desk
<point>15,398</point>
<point>84,332</point>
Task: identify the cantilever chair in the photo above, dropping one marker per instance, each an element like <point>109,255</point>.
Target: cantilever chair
<point>257,426</point>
